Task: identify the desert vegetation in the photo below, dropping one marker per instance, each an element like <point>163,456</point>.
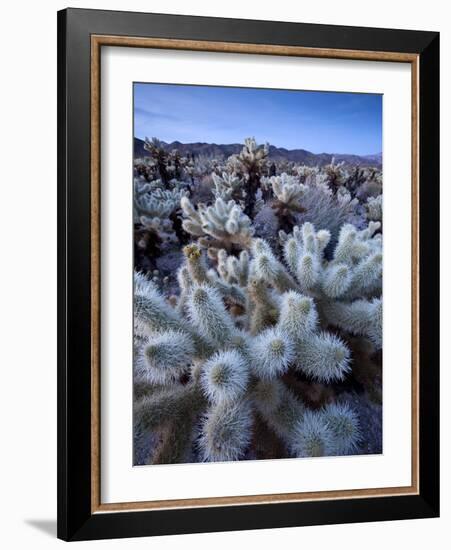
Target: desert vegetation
<point>257,307</point>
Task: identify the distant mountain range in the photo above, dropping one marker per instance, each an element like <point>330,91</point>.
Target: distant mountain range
<point>275,153</point>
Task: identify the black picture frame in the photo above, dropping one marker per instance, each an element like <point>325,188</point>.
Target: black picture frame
<point>75,518</point>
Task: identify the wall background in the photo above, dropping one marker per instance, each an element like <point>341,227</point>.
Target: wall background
<point>28,274</point>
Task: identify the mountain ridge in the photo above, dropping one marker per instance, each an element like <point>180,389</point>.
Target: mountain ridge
<point>275,153</point>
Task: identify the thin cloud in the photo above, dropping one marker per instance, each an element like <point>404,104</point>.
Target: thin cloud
<point>154,115</point>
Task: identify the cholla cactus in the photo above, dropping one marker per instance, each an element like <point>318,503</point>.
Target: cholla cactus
<point>344,427</point>
<point>227,283</point>
<point>252,157</point>
<point>163,357</point>
<point>306,173</point>
<point>228,186</point>
<point>345,199</point>
<point>347,288</point>
<point>250,163</point>
<point>372,187</point>
<point>153,202</point>
<point>226,431</point>
<point>222,225</point>
<point>374,208</point>
<point>275,351</point>
<point>156,223</point>
<point>289,193</point>
<point>288,190</point>
<point>312,436</point>
<point>335,173</point>
<point>225,376</point>
<point>219,369</point>
<point>233,269</point>
<point>160,157</point>
<point>360,317</point>
<point>178,166</point>
<point>268,268</point>
<point>146,169</point>
<point>355,177</point>
<point>332,431</point>
<point>325,208</point>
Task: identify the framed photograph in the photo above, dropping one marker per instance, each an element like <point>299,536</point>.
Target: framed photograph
<point>248,274</point>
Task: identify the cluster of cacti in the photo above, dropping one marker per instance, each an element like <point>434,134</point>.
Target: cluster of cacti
<point>166,163</point>
<point>151,201</point>
<point>155,218</point>
<point>220,225</point>
<point>163,164</point>
<point>246,344</point>
<point>235,331</point>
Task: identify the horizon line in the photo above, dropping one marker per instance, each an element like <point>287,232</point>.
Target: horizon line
<point>270,144</point>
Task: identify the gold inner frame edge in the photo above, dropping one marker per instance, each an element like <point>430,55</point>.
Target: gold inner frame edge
<point>97,41</point>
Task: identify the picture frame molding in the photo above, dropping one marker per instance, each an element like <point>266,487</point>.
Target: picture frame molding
<point>81,35</point>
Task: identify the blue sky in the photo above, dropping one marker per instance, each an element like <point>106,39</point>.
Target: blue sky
<point>321,122</point>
